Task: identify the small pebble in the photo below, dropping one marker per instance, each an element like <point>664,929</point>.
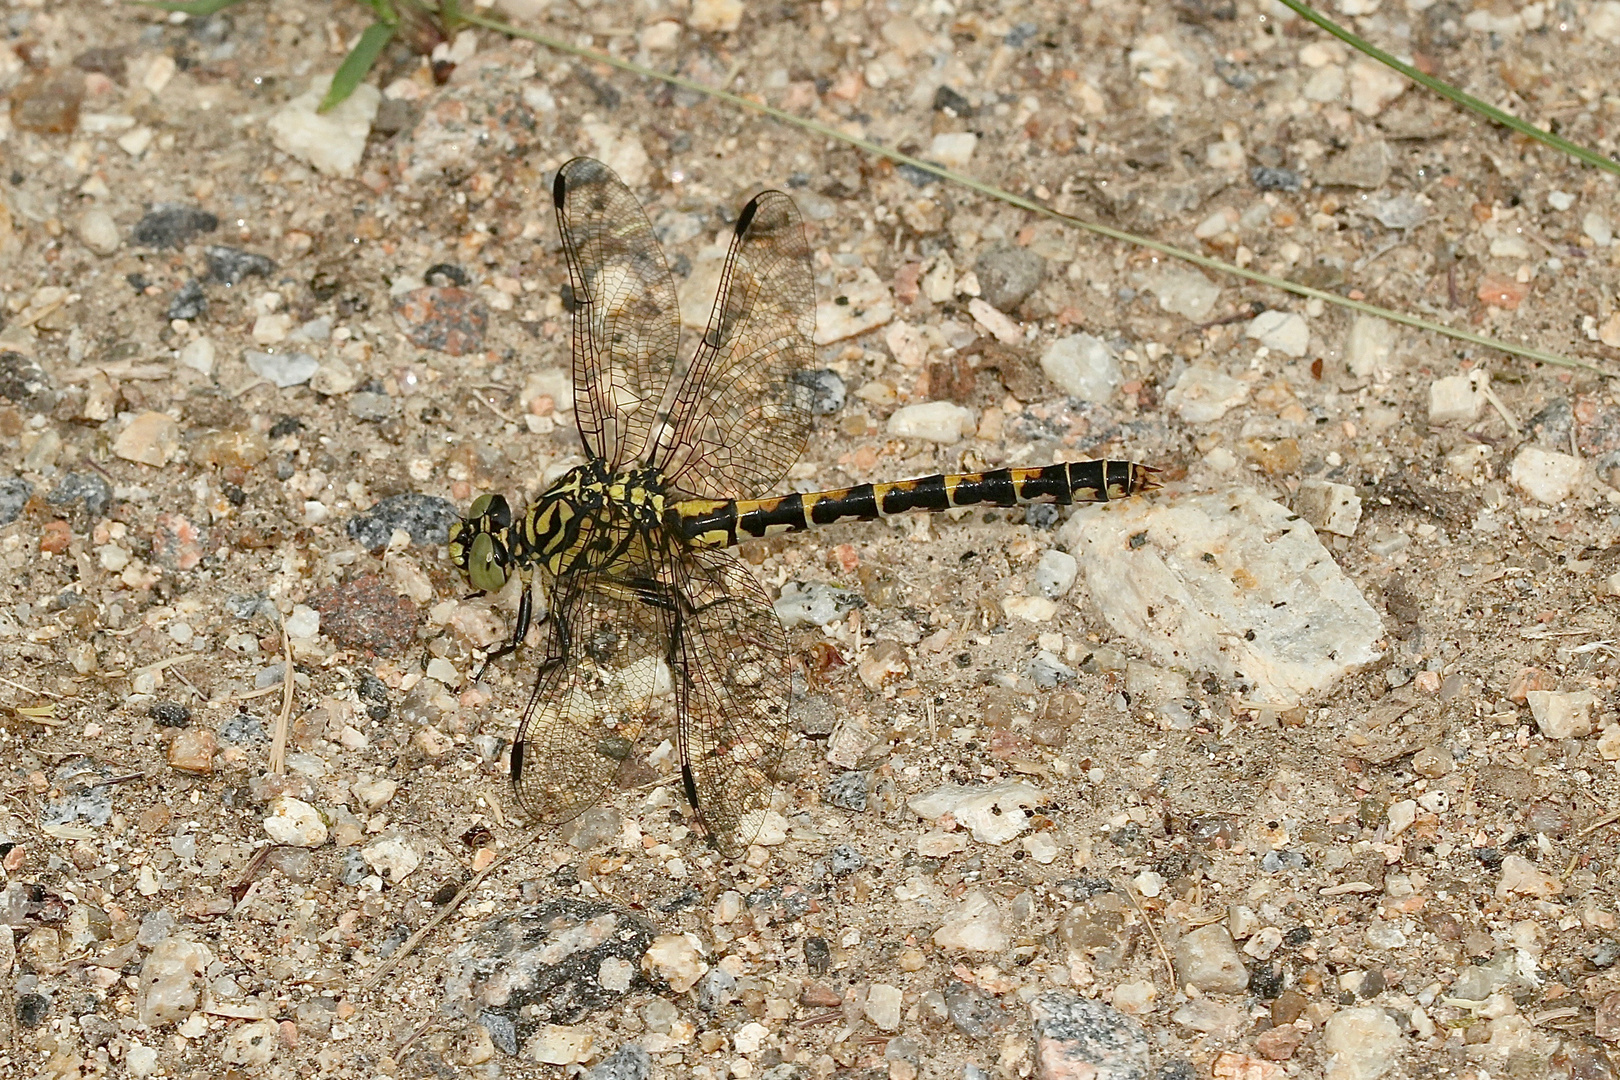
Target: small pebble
<point>444,317</point>
<point>253,1044</point>
<point>293,821</point>
<point>1455,399</point>
<point>1370,347</point>
<point>675,959</point>
<point>331,142</point>
<point>1560,200</point>
<point>856,307</point>
<point>1280,331</point>
<point>883,1006</point>
<point>942,422</point>
<point>283,369</point>
<point>1597,228</point>
<point>150,439</point>
<point>557,1044</point>
<point>171,980</point>
<point>1204,394</point>
<point>98,231</point>
<point>198,355</point>
<point>976,927</point>
<point>391,857</point>
<point>1361,1044</point>
<point>1268,178</point>
<point>1207,958</point>
<point>1185,292</point>
<point>231,266</point>
<point>1055,573</point>
<point>189,302</point>
<point>168,225</point>
<point>1563,715</point>
<point>715,16</point>
<point>1546,476</point>
<point>1329,507</point>
<point>953,149</point>
<point>1077,1038</point>
<point>1083,367</point>
<point>1007,274</point>
<point>192,750</point>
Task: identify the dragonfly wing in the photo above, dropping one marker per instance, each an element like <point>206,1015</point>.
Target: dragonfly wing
<point>732,678</point>
<point>740,413</point>
<point>626,323</point>
<point>606,674</point>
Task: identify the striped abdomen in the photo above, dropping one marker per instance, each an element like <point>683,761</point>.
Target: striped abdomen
<point>723,522</point>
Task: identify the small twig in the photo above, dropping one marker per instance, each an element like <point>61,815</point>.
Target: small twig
<point>427,928</point>
<point>490,405</point>
<point>405,1046</point>
<point>1147,923</point>
<point>159,665</point>
<point>1501,408</point>
<point>1607,819</point>
<point>278,745</point>
<point>31,689</point>
<point>126,778</point>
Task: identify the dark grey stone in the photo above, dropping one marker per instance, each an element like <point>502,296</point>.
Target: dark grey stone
<point>1083,1034</point>
<point>89,488</point>
<point>169,225</point>
<point>189,303</point>
<point>230,266</point>
<point>1268,178</point>
<point>426,518</point>
<point>847,791</point>
<point>1007,274</point>
<point>14,493</point>
<point>827,391</point>
<point>628,1062</point>
<point>24,382</point>
<point>974,1013</point>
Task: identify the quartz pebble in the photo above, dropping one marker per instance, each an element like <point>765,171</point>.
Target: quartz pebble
<point>284,369</point>
<point>715,16</point>
<point>1455,399</point>
<point>953,149</point>
<point>331,142</point>
<point>1035,609</point>
<point>1207,958</point>
<point>1330,507</point>
<point>883,1006</point>
<point>192,750</point>
<point>171,980</point>
<point>1205,393</point>
<point>1563,715</point>
<point>1545,475</point>
<point>1184,292</point>
<point>1370,348</point>
<point>1055,573</point>
<point>293,821</point>
<point>393,857</point>
<point>858,306</point>
<point>1596,227</point>
<point>198,355</point>
<point>1522,877</point>
<point>1271,609</point>
<point>98,231</point>
<point>1280,331</point>
<point>150,439</point>
<point>993,813</point>
<point>1083,367</point>
<point>559,1044</point>
<point>1080,1039</point>
<point>942,422</point>
<point>976,927</point>
<point>677,960</point>
<point>1361,1044</point>
<point>252,1044</point>
<point>1373,86</point>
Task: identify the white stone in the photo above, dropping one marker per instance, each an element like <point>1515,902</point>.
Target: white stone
<point>883,1006</point>
<point>1055,573</point>
<point>615,973</point>
<point>1511,246</point>
<point>141,1061</point>
<point>331,143</point>
<point>953,149</point>
<point>1207,958</point>
<point>295,822</point>
<point>1563,714</point>
<point>136,141</point>
<point>1370,348</point>
<point>856,307</point>
<point>98,232</point>
<point>1545,475</point>
<point>995,322</point>
<point>1205,393</point>
<point>1562,200</point>
<point>252,1044</point>
<point>1135,998</point>
<point>198,355</point>
<point>1522,877</point>
<point>675,959</point>
<point>1185,292</point>
<point>391,857</point>
<point>171,980</point>
<point>1401,815</point>
<point>1455,399</point>
<point>993,813</point>
<point>1229,582</point>
<point>1597,227</point>
<point>976,927</point>
<point>938,844</point>
<point>622,151</point>
<point>1604,21</point>
<point>1226,156</point>
<point>1329,507</point>
<point>272,329</point>
<point>715,16</point>
<point>1041,847</point>
<point>943,422</point>
<point>1083,367</point>
<point>1361,1044</point>
<point>1325,84</point>
<point>374,794</point>
<point>303,622</point>
<point>750,1037</point>
<point>1373,86</point>
<point>1035,609</point>
<point>1280,331</point>
<point>558,1044</point>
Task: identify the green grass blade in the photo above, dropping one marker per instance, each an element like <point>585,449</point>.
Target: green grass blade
<point>1451,93</point>
<point>357,65</point>
<point>1527,352</point>
<point>198,8</point>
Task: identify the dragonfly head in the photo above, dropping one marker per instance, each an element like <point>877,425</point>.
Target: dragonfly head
<point>479,546</point>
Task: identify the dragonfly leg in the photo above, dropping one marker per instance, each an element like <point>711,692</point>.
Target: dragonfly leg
<point>520,630</point>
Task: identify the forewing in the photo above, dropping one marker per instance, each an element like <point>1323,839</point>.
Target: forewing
<point>740,416</point>
<point>626,323</point>
<point>732,678</point>
<point>606,674</point>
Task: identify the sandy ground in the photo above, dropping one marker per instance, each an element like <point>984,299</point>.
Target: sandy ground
<point>1411,866</point>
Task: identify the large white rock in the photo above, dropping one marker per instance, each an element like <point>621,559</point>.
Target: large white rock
<point>943,422</point>
<point>1545,475</point>
<point>977,926</point>
<point>1082,366</point>
<point>1228,582</point>
<point>332,142</point>
<point>1205,393</point>
<point>993,813</point>
<point>1280,331</point>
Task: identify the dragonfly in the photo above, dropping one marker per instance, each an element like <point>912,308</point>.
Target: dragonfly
<point>648,609</point>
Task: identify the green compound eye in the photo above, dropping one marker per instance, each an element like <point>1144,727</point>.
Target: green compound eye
<point>479,507</point>
<point>485,569</point>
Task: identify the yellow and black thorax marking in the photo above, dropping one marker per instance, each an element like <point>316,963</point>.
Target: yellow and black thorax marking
<point>719,523</point>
